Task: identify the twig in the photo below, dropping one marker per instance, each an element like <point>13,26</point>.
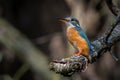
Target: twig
<point>113,26</point>
<point>115,10</point>
<point>21,71</point>
<point>14,41</point>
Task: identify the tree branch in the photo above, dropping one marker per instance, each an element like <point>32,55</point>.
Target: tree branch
<point>114,9</point>
<point>14,41</point>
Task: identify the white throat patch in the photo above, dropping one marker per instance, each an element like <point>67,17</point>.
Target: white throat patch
<point>69,25</point>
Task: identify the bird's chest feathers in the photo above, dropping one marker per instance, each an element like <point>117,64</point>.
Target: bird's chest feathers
<point>75,38</point>
<point>73,34</point>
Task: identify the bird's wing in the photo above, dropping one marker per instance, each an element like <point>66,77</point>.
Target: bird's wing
<point>82,33</point>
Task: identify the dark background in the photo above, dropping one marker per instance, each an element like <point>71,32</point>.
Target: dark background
<point>38,21</point>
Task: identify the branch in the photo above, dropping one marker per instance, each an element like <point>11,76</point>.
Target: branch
<point>115,10</point>
<point>21,72</point>
<point>14,41</point>
<point>68,66</point>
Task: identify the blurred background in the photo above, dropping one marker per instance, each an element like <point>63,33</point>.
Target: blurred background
<point>32,37</point>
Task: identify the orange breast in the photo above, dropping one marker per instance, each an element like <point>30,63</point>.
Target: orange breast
<point>78,41</point>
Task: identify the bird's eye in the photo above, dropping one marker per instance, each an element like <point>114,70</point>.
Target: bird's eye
<point>72,19</point>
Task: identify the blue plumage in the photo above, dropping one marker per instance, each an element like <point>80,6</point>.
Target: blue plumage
<point>82,33</point>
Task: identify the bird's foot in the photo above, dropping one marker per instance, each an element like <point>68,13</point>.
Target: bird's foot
<point>77,54</point>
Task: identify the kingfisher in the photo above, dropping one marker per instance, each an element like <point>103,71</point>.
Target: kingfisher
<point>77,37</point>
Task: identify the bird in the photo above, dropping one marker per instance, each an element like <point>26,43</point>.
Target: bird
<point>77,37</point>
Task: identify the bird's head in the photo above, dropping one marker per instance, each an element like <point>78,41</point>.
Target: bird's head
<point>70,21</point>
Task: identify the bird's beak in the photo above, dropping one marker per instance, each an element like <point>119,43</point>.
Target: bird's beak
<point>63,20</point>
